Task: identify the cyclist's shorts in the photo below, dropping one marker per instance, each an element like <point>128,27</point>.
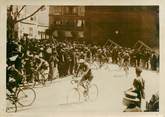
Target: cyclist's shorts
<point>87,77</point>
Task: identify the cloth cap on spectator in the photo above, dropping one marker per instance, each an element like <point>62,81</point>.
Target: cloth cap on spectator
<point>138,69</point>
<point>129,101</point>
<point>130,98</point>
<point>81,61</point>
<point>13,58</point>
<point>42,48</point>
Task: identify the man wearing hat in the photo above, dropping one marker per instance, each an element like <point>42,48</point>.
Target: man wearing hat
<point>133,96</point>
<point>139,85</point>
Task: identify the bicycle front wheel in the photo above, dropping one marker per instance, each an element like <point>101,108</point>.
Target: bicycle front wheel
<point>93,92</point>
<point>10,106</point>
<point>74,96</point>
<point>26,96</point>
<point>45,79</point>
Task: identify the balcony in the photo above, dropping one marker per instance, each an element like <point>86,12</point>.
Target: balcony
<point>67,27</point>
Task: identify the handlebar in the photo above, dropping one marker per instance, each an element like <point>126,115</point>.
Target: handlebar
<point>74,81</point>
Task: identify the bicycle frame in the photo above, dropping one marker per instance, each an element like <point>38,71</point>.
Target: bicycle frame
<point>85,85</point>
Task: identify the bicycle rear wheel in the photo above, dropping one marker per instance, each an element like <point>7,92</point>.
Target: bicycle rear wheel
<point>10,106</point>
<point>31,83</point>
<point>73,97</point>
<point>26,96</point>
<point>92,92</point>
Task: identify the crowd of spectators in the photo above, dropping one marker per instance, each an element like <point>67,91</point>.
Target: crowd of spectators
<point>64,55</point>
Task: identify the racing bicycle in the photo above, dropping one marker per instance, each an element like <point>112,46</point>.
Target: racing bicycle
<point>89,93</point>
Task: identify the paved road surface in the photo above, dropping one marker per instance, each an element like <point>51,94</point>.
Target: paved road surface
<point>111,83</point>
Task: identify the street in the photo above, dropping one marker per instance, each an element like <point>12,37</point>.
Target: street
<point>45,42</point>
<point>111,83</point>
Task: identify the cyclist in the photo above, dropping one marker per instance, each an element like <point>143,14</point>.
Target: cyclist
<point>100,56</point>
<point>87,74</point>
<point>126,59</point>
<point>41,65</point>
<point>14,77</point>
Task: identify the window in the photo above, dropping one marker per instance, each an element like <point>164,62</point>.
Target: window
<point>57,11</point>
<point>79,23</point>
<point>70,10</point>
<point>83,22</point>
<point>66,10</point>
<point>81,11</point>
<point>58,22</point>
<point>81,34</point>
<point>74,11</point>
<point>30,31</point>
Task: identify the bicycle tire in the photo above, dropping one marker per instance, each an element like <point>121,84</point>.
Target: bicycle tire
<point>38,82</point>
<point>45,79</point>
<point>31,83</point>
<point>34,83</point>
<point>12,108</point>
<point>34,80</point>
<point>92,92</point>
<point>23,94</point>
<point>74,81</point>
<point>74,96</point>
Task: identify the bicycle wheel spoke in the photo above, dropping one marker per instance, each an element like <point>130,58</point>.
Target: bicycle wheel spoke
<point>92,92</point>
<point>73,97</point>
<point>26,96</point>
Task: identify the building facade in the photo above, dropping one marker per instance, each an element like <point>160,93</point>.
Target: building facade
<point>124,25</point>
<point>35,26</point>
<point>67,22</point>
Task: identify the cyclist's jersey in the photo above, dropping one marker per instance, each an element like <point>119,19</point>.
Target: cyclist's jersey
<point>35,62</point>
<point>13,75</point>
<point>88,75</point>
<point>44,66</point>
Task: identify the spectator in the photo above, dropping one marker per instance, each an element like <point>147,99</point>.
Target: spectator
<point>139,85</point>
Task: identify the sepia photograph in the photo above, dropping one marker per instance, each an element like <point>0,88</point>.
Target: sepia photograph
<point>76,58</point>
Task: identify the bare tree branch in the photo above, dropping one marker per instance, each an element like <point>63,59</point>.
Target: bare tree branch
<point>29,15</point>
<point>20,10</point>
